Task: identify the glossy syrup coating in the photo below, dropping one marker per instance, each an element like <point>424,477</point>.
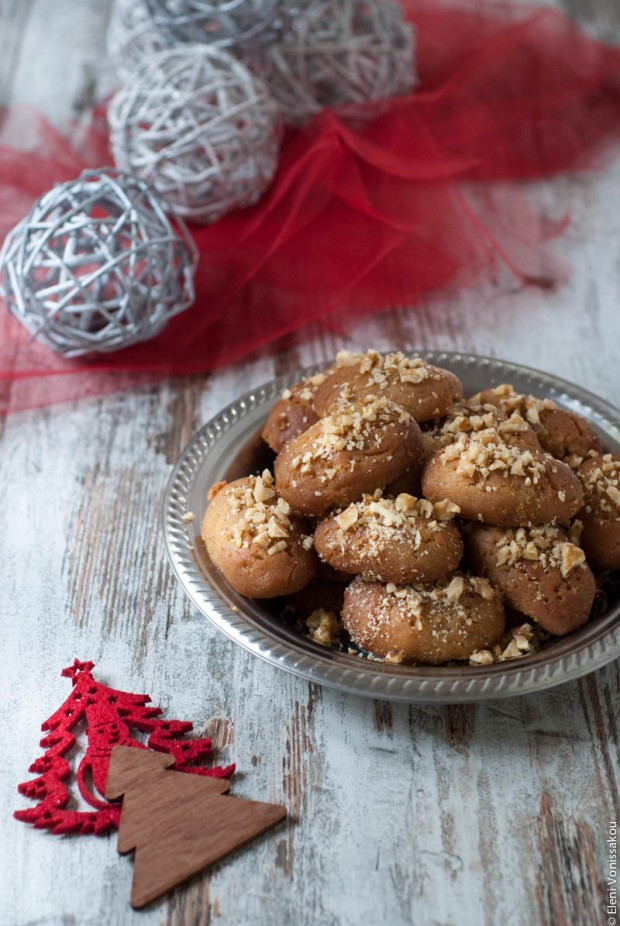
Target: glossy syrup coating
<point>424,623</point>
<point>292,414</point>
<point>560,431</point>
<point>600,515</point>
<point>425,391</point>
<point>402,540</point>
<point>256,541</point>
<point>539,571</point>
<point>467,418</point>
<point>502,484</point>
<point>354,449</point>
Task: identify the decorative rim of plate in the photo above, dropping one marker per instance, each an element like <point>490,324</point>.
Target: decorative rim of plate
<point>566,659</point>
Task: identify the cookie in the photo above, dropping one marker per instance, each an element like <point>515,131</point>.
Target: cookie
<point>469,417</point>
<point>600,515</point>
<point>403,540</point>
<point>425,391</point>
<point>292,414</point>
<point>252,536</point>
<point>561,432</point>
<point>502,484</point>
<point>351,451</point>
<point>424,623</point>
<point>538,570</point>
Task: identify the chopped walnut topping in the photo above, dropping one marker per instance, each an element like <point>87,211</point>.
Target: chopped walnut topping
<point>347,518</point>
<point>394,657</point>
<point>614,494</point>
<point>383,369</point>
<point>514,424</point>
<point>263,491</point>
<point>546,545</point>
<point>455,588</point>
<point>266,519</point>
<point>387,520</point>
<point>516,643</point>
<point>482,587</point>
<point>277,547</point>
<point>305,389</point>
<point>481,657</point>
<point>446,510</point>
<point>574,532</point>
<point>349,427</point>
<point>527,407</point>
<point>504,390</point>
<point>323,626</point>
<point>461,419</point>
<point>188,517</point>
<point>572,557</point>
<point>449,590</point>
<point>482,453</point>
<point>602,486</point>
<point>346,358</point>
<point>405,502</point>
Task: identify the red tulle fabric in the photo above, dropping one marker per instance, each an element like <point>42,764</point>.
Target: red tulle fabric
<point>112,719</point>
<point>362,216</point>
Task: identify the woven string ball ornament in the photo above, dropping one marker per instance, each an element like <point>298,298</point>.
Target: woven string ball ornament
<point>225,23</point>
<point>337,51</point>
<point>97,265</point>
<point>133,36</point>
<point>194,122</point>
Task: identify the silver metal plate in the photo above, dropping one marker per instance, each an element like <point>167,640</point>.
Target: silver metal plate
<point>229,446</point>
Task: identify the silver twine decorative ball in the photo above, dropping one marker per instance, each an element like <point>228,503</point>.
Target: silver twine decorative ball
<point>133,36</point>
<point>224,23</point>
<point>194,122</point>
<point>337,51</point>
<point>97,265</point>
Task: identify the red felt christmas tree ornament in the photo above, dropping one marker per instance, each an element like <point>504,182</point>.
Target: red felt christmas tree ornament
<point>110,716</point>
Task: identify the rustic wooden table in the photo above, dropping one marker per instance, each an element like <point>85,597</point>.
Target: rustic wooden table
<point>495,813</point>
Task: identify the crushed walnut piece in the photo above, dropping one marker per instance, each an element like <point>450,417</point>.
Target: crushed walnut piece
<point>394,657</point>
<point>515,644</point>
<point>305,389</point>
<point>455,588</point>
<point>323,627</point>
<point>572,557</point>
<point>440,610</point>
<point>468,418</point>
<point>527,406</point>
<point>382,369</point>
<point>266,518</point>
<point>353,428</point>
<point>482,453</point>
<point>602,482</point>
<point>547,545</point>
<point>388,520</point>
<point>450,594</point>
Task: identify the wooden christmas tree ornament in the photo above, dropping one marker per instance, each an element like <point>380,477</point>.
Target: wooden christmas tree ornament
<point>177,823</point>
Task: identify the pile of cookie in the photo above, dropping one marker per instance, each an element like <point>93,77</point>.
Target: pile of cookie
<point>408,524</point>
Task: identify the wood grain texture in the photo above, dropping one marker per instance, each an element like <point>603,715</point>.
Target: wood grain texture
<point>177,823</point>
<point>472,815</point>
